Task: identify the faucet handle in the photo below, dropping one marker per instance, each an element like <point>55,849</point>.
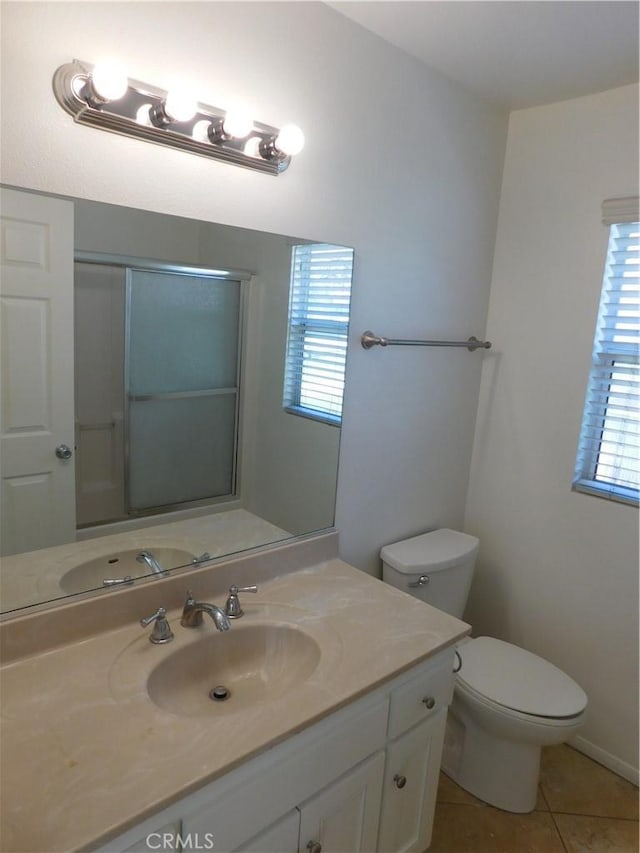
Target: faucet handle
<point>232,608</point>
<point>162,632</point>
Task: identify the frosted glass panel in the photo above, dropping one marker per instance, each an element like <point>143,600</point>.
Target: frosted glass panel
<point>183,332</point>
<point>180,449</point>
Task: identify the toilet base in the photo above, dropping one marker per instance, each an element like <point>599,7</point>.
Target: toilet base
<point>500,772</point>
<point>494,752</point>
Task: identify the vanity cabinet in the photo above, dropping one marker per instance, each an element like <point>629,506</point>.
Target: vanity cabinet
<point>363,779</point>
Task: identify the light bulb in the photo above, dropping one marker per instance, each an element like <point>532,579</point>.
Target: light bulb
<point>142,114</point>
<point>200,130</point>
<point>237,123</point>
<point>252,147</point>
<point>179,105</point>
<point>290,140</point>
<point>109,80</point>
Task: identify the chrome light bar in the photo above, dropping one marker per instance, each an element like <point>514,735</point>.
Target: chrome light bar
<point>142,112</point>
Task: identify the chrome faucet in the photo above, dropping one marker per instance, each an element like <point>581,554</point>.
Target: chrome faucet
<point>162,632</point>
<point>148,558</point>
<point>232,608</point>
<point>193,610</point>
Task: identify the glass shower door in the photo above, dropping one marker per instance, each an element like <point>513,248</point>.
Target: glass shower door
<point>182,371</point>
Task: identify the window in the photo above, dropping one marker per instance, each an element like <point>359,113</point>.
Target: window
<point>319,297</point>
<point>608,462</point>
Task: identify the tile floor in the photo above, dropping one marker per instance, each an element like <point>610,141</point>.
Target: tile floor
<point>582,808</point>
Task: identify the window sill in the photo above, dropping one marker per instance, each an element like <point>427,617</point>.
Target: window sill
<point>608,492</point>
<point>313,415</point>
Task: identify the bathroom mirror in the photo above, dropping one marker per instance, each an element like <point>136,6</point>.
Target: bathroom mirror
<point>276,470</point>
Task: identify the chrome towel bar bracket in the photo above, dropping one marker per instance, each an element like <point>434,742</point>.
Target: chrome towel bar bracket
<point>369,340</point>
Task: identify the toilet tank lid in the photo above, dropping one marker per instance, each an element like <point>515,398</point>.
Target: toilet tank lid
<point>434,551</point>
<point>515,678</point>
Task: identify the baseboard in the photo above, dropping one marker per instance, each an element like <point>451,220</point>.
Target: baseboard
<point>611,762</point>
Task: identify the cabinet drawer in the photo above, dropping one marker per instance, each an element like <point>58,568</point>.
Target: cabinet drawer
<point>423,695</point>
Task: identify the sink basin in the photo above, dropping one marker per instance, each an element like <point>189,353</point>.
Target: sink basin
<point>253,663</point>
<point>91,574</point>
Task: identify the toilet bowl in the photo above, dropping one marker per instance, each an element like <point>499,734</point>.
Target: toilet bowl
<point>508,703</point>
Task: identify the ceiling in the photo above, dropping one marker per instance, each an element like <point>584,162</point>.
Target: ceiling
<point>516,52</point>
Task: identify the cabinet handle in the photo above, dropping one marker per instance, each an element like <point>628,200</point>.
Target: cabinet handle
<point>429,701</point>
<point>314,847</point>
<point>400,781</point>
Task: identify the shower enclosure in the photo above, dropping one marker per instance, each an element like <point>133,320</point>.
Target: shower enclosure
<point>157,388</point>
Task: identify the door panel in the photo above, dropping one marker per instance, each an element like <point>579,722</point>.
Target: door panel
<point>182,370</point>
<point>37,494</point>
<point>345,815</point>
<point>282,837</point>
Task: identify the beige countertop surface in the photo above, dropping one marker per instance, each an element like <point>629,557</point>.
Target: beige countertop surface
<point>86,754</point>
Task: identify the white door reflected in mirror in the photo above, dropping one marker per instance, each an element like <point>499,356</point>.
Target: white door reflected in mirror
<point>38,476</point>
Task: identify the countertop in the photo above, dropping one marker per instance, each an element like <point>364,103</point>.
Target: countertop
<point>86,754</point>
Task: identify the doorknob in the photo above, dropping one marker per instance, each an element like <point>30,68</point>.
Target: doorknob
<point>63,451</point>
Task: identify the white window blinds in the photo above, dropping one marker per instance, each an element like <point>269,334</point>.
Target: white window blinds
<point>608,461</point>
<point>319,297</point>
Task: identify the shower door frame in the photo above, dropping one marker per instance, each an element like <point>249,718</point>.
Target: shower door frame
<point>242,277</point>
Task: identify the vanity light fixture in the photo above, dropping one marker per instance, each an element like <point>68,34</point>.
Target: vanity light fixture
<point>102,96</point>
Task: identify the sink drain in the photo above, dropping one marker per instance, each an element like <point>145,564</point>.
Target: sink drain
<point>219,693</point>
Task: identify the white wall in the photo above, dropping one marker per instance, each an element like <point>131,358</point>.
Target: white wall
<point>558,571</point>
<point>419,205</point>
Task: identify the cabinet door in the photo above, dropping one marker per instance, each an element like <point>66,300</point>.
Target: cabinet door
<point>344,816</point>
<point>410,787</point>
<point>281,837</point>
<point>229,825</point>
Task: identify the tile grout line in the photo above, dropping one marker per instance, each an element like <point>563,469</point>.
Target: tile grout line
<point>481,804</point>
<point>553,817</point>
<point>543,795</point>
<point>555,823</point>
<point>595,816</point>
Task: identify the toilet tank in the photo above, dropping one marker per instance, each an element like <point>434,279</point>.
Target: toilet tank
<point>436,567</point>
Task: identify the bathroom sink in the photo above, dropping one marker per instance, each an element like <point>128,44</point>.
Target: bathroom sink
<point>117,566</point>
<point>227,672</point>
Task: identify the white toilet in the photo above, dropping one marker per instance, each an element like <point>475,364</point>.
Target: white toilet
<point>507,702</point>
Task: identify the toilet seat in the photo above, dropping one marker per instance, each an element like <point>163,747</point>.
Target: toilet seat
<point>518,681</point>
